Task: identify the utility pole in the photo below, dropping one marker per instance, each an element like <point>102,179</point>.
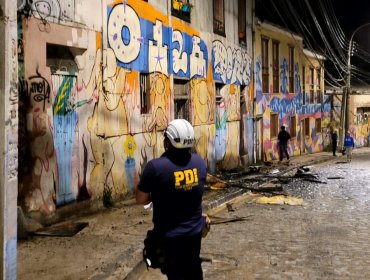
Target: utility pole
<point>8,138</point>
<point>346,95</point>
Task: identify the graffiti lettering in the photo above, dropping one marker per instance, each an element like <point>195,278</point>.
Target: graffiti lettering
<point>39,89</point>
<point>124,33</point>
<point>158,52</point>
<point>230,66</point>
<point>180,58</point>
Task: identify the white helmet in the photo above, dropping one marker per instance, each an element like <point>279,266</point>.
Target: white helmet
<point>180,133</point>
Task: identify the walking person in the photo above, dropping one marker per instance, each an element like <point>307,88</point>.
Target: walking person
<point>174,183</point>
<point>334,142</point>
<point>283,139</point>
<point>349,144</point>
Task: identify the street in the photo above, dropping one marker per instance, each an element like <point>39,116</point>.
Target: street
<point>325,238</point>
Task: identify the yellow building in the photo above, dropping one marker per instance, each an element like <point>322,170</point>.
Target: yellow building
<point>289,82</point>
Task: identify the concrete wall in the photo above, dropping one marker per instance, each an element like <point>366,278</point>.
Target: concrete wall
<point>80,88</point>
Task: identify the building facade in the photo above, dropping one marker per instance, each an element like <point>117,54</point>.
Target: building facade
<point>100,80</point>
<point>289,83</point>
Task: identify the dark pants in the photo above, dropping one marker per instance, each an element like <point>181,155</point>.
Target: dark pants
<point>334,147</point>
<point>183,260</point>
<point>283,149</point>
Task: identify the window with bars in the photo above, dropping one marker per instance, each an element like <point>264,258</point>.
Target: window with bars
<point>318,125</point>
<point>265,65</point>
<point>275,66</point>
<point>291,69</point>
<point>144,93</point>
<point>293,126</point>
<point>181,89</point>
<point>218,17</point>
<point>274,125</point>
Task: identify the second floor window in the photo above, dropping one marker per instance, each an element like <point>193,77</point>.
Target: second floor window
<point>242,22</point>
<point>265,65</point>
<point>291,69</point>
<point>218,17</point>
<point>181,9</point>
<point>275,66</point>
<point>312,83</point>
<point>303,85</point>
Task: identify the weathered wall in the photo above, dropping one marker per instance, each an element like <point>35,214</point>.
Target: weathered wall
<point>287,104</point>
<point>82,106</point>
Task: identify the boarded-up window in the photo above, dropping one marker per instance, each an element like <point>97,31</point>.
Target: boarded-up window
<point>274,125</point>
<point>291,69</point>
<point>181,91</point>
<point>318,125</point>
<point>145,93</point>
<point>275,66</point>
<point>242,22</point>
<point>293,126</point>
<point>265,65</point>
<point>307,127</point>
<point>218,17</point>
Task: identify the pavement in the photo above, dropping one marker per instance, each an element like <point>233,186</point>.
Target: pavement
<point>110,247</point>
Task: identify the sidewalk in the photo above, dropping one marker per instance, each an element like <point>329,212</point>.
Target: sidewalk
<point>110,247</point>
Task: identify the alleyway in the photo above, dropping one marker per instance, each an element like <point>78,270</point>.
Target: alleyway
<point>326,238</point>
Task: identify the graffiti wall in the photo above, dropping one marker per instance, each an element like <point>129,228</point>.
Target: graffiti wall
<point>288,105</point>
<point>88,135</point>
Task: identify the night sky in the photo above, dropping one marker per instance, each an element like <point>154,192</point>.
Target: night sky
<point>350,14</point>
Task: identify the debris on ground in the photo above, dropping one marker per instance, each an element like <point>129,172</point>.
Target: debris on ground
<point>279,200</point>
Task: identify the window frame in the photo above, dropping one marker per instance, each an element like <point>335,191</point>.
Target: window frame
<point>293,126</point>
<point>265,64</point>
<point>242,22</point>
<point>181,13</point>
<point>275,67</point>
<point>181,99</point>
<point>274,125</point>
<point>145,87</point>
<point>318,125</point>
<point>304,85</point>
<point>219,23</point>
<point>291,68</point>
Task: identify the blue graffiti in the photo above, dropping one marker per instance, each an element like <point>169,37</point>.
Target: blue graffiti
<point>132,37</point>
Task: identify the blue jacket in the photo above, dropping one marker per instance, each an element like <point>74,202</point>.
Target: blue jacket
<point>348,142</point>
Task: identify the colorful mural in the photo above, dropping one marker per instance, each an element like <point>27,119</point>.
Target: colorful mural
<point>88,134</point>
